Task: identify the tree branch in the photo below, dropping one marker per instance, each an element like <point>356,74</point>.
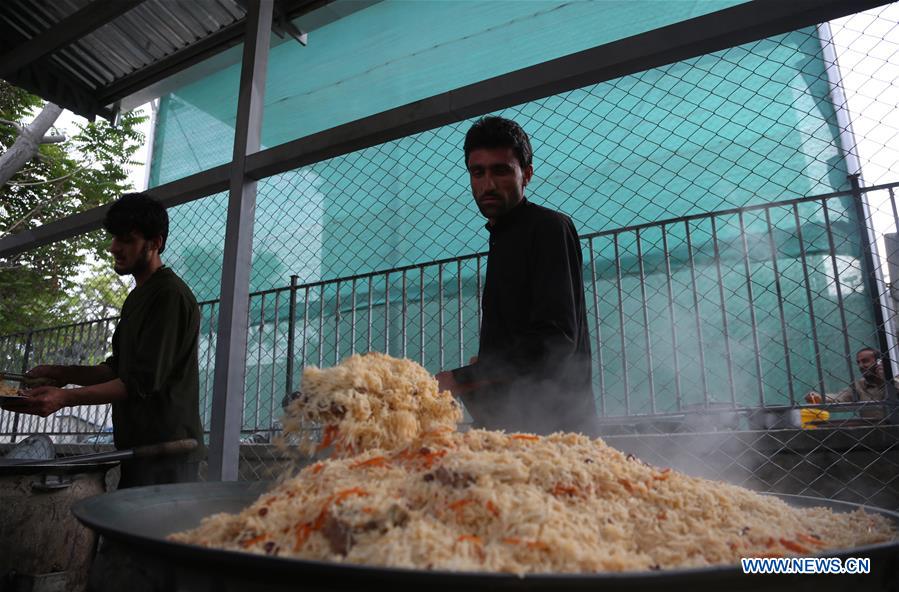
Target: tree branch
<point>18,126</point>
<point>54,138</point>
<point>62,178</point>
<point>27,143</point>
<point>32,212</point>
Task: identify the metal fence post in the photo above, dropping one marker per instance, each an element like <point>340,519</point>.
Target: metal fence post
<point>231,346</point>
<point>26,359</point>
<point>873,281</point>
<point>291,324</point>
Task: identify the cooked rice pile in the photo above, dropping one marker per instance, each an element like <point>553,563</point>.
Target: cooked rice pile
<point>370,401</point>
<point>7,390</point>
<point>404,489</point>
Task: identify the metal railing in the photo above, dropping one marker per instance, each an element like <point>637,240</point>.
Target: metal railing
<point>708,324</point>
<point>744,308</point>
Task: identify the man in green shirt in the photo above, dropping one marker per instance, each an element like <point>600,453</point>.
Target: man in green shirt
<point>152,377</point>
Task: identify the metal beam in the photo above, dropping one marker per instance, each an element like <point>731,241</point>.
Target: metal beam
<point>54,84</point>
<point>741,24</point>
<point>171,194</point>
<point>874,278</point>
<point>231,344</point>
<point>193,54</point>
<point>71,28</point>
<point>185,58</point>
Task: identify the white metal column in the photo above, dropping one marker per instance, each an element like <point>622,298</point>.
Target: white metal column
<point>231,347</point>
<point>853,164</point>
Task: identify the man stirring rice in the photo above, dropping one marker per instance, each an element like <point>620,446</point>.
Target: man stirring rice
<point>533,369</point>
<point>152,377</point>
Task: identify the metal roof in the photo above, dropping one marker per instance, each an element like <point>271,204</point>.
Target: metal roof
<point>86,55</point>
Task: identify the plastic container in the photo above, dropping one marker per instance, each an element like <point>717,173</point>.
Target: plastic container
<point>807,415</point>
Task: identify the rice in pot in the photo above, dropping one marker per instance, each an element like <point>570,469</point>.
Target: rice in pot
<point>403,488</point>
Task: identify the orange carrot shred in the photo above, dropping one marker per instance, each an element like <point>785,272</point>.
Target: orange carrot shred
<point>377,461</point>
<point>251,541</point>
<point>459,504</point>
<point>404,454</point>
<point>430,458</point>
<point>470,537</point>
<point>492,508</point>
<point>319,522</point>
<point>793,546</point>
<point>528,437</point>
<point>811,540</point>
<point>302,534</point>
<point>560,489</point>
<point>344,494</point>
<point>328,437</point>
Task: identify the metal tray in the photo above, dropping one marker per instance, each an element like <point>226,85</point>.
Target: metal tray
<point>138,520</point>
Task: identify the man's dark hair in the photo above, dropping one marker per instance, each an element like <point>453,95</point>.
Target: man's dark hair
<point>498,132</point>
<point>137,211</point>
<point>870,349</point>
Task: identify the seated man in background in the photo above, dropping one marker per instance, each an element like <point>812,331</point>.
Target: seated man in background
<point>870,387</point>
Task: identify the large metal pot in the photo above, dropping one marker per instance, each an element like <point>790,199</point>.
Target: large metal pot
<point>42,545</point>
<point>134,524</point>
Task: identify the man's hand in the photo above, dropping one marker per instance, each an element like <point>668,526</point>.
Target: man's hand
<point>447,382</point>
<point>813,398</point>
<point>43,401</point>
<point>46,375</point>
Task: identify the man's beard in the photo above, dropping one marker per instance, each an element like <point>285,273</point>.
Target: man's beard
<point>873,375</point>
<point>140,265</point>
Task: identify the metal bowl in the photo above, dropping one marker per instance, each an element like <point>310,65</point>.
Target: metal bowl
<point>136,521</point>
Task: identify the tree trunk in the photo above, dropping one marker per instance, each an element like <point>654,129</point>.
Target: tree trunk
<point>27,144</point>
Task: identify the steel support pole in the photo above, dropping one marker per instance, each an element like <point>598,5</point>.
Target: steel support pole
<point>879,294</point>
<point>291,339</point>
<point>231,348</point>
<point>874,281</point>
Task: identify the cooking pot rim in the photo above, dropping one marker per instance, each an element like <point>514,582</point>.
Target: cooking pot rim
<point>91,513</point>
<point>45,468</point>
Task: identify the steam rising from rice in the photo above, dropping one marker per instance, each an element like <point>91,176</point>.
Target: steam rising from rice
<point>404,489</point>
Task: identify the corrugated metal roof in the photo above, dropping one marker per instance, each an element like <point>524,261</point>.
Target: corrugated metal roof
<point>123,45</point>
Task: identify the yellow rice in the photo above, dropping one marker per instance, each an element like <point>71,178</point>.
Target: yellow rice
<point>404,489</point>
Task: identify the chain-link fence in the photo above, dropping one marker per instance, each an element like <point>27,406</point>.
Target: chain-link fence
<point>733,260</point>
<point>86,344</point>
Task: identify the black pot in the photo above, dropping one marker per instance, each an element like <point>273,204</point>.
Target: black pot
<point>138,558</point>
<point>40,540</point>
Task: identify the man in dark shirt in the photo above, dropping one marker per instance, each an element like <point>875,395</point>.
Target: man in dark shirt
<point>533,369</point>
<point>152,377</point>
